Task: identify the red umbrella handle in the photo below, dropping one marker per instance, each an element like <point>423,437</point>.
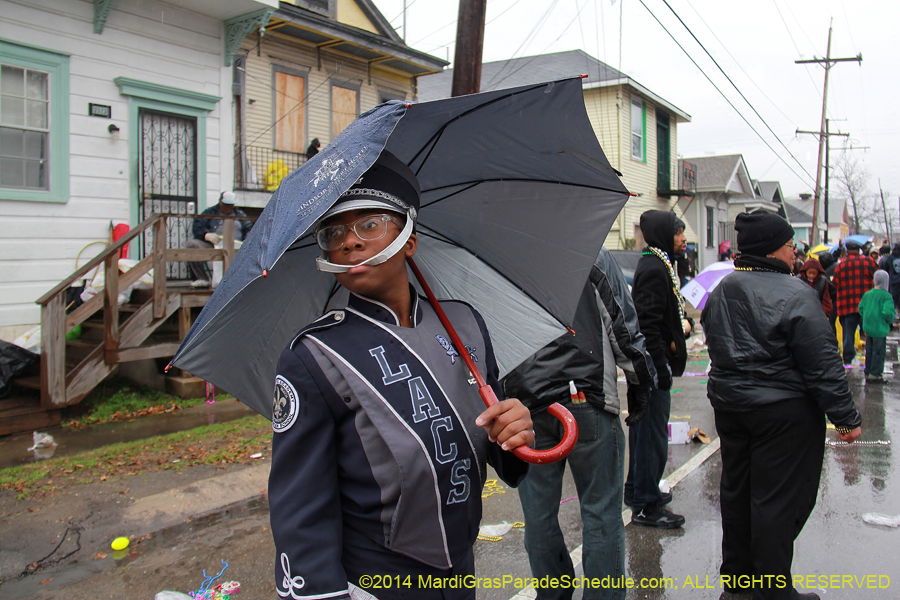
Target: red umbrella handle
<point>570,427</point>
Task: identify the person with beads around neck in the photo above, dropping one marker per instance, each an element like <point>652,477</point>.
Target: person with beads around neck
<point>775,375</point>
<point>660,308</point>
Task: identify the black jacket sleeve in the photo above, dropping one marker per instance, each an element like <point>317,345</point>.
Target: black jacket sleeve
<point>203,226</point>
<point>648,293</point>
<point>627,340</point>
<point>304,496</point>
<point>806,327</point>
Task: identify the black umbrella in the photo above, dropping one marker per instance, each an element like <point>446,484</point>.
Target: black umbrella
<point>517,199</point>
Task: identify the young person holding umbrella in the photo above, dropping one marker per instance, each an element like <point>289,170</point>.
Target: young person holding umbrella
<point>380,439</point>
<point>775,375</point>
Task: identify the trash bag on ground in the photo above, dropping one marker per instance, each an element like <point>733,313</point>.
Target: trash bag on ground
<point>13,361</point>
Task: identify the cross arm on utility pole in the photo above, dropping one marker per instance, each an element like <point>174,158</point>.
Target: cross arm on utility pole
<point>821,133</point>
<point>857,59</point>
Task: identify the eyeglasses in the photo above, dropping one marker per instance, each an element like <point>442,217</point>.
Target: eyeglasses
<point>791,245</point>
<point>368,229</point>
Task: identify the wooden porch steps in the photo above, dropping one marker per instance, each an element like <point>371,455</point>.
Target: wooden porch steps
<point>150,326</point>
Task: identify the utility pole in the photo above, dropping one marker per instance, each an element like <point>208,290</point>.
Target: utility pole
<point>827,62</point>
<point>469,47</point>
<point>824,135</point>
<point>887,224</point>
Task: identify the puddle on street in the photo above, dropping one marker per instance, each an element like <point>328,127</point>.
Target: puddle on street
<point>14,448</point>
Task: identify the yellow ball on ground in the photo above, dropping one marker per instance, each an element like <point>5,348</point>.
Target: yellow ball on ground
<point>120,543</point>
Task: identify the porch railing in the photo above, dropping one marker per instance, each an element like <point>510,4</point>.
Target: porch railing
<point>258,168</point>
<point>121,340</point>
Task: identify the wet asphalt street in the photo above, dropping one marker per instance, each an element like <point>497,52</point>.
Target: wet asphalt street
<point>838,554</point>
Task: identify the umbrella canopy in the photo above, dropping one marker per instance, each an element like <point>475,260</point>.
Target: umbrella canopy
<point>859,238</point>
<point>517,198</point>
<point>817,250</point>
<point>698,289</point>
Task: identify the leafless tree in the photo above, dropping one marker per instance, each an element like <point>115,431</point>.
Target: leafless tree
<point>852,180</point>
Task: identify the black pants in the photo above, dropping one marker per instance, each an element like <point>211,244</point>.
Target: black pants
<point>771,463</point>
<point>850,323</point>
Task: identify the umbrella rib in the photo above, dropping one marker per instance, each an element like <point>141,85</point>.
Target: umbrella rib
<point>433,140</point>
<point>480,181</point>
<point>450,195</point>
<point>452,242</point>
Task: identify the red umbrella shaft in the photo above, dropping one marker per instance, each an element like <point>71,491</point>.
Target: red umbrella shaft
<point>570,427</point>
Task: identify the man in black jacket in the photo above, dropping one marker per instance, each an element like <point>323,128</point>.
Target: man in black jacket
<point>208,232</point>
<point>660,308</point>
<point>606,335</point>
<point>775,375</point>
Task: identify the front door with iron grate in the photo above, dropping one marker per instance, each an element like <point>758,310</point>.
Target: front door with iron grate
<point>168,178</point>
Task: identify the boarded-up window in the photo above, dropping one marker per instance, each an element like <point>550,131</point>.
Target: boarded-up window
<point>290,112</point>
<point>344,108</point>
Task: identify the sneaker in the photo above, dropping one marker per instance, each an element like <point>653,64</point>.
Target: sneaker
<point>654,516</point>
<point>200,283</point>
<point>874,379</point>
<point>666,498</point>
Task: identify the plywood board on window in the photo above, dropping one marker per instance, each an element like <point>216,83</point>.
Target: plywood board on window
<point>344,103</point>
<point>290,111</point>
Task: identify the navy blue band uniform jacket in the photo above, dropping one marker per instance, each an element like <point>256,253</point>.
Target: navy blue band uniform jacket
<point>377,464</point>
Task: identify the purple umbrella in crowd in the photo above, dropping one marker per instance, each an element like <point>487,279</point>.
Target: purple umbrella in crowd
<point>700,287</point>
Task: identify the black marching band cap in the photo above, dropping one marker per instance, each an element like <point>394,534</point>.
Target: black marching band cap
<point>388,184</point>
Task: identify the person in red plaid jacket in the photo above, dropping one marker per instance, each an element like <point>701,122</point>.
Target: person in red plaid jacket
<point>852,278</point>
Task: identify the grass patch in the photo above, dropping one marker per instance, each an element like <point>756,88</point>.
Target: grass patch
<point>221,443</point>
<point>118,398</point>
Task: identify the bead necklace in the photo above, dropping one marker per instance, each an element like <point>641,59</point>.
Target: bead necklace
<point>665,258</point>
<point>758,269</point>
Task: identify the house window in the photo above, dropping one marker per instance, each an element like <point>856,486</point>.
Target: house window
<point>290,110</point>
<point>344,107</point>
<point>24,128</point>
<point>710,227</point>
<point>34,124</point>
<point>637,129</point>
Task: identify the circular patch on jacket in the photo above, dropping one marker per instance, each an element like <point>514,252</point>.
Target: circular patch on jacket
<point>285,409</point>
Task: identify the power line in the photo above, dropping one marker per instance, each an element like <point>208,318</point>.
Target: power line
<point>712,31</point>
<point>715,62</point>
<point>730,103</point>
<point>797,48</point>
<point>531,34</point>
<point>547,47</point>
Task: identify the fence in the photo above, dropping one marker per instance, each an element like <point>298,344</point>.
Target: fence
<point>258,168</point>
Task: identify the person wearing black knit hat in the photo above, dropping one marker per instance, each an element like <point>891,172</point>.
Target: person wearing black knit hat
<point>775,375</point>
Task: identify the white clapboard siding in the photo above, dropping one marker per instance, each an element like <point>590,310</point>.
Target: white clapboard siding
<point>145,40</point>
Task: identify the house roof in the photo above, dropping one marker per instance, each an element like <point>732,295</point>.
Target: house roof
<point>770,190</point>
<point>527,70</point>
<point>835,209</point>
<point>796,215</point>
<point>312,22</point>
<point>726,173</point>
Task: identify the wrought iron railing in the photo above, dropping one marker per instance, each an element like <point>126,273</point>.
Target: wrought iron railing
<point>259,168</point>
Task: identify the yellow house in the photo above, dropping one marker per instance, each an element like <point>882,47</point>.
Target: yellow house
<point>637,129</point>
<point>305,76</point>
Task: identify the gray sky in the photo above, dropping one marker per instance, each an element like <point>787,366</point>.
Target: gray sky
<point>758,42</point>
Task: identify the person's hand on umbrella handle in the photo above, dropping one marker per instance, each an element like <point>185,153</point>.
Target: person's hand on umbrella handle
<point>508,423</point>
<point>851,435</point>
<point>497,411</point>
